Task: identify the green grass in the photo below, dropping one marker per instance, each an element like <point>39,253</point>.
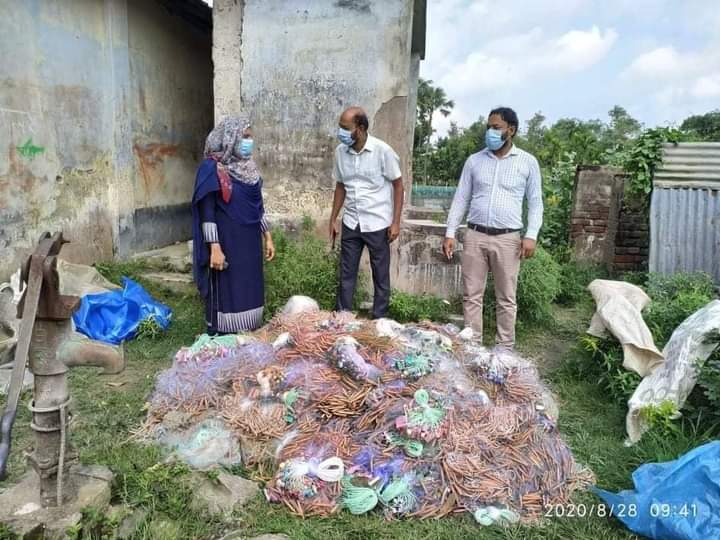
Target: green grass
<point>591,422</point>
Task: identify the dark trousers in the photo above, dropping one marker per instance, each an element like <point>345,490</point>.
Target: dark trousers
<point>353,242</point>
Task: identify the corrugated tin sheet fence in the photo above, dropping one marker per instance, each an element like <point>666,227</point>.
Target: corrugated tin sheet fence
<point>685,210</point>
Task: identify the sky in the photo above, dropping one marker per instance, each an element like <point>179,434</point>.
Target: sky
<point>660,59</point>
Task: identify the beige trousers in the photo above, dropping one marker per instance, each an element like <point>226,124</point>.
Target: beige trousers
<point>499,254</point>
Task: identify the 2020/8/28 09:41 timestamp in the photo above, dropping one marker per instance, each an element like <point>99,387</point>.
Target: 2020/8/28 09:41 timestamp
<point>655,510</point>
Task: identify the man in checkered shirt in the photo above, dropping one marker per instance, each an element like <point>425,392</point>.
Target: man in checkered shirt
<point>493,185</point>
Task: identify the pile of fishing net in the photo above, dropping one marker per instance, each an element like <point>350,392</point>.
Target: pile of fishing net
<point>336,413</point>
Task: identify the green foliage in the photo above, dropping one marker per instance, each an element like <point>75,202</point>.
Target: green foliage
<point>161,487</point>
<point>574,280</point>
<point>442,164</point>
<point>704,127</point>
<point>558,185</point>
<point>308,223</point>
<point>149,328</point>
<point>406,308</point>
<point>661,417</point>
<point>709,380</point>
<point>6,533</point>
<point>305,266</point>
<point>641,159</point>
<point>608,354</point>
<point>430,99</point>
<point>538,287</point>
<point>674,299</point>
<point>94,524</point>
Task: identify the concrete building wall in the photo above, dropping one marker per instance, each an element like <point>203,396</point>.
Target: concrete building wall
<point>171,111</point>
<point>297,65</point>
<point>71,111</point>
<point>56,127</point>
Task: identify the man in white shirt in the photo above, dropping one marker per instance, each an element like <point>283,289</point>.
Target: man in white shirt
<point>368,184</point>
<point>492,187</point>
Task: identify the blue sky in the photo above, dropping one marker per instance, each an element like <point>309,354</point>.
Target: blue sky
<point>660,59</point>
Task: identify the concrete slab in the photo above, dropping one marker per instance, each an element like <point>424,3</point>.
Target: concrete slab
<point>176,258</point>
<point>21,510</point>
<point>175,281</point>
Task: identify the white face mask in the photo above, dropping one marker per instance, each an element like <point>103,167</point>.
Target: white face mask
<point>345,136</point>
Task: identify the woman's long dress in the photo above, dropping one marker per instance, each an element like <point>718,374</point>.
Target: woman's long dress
<point>234,297</point>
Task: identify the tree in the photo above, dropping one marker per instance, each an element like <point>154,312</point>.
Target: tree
<point>705,127</point>
<point>535,132</point>
<point>430,99</point>
<point>623,127</point>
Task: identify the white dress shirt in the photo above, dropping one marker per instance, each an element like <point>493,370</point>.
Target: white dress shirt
<point>491,191</point>
<point>367,176</point>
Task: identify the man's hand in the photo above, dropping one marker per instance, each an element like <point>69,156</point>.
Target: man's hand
<point>217,257</point>
<point>393,232</point>
<point>269,248</point>
<point>333,230</point>
<point>448,247</point>
<point>527,250</point>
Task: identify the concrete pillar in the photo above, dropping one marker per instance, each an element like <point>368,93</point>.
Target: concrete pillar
<point>121,189</point>
<point>227,56</point>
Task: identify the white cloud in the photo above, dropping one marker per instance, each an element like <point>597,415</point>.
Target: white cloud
<point>514,60</point>
<point>659,63</point>
<point>707,87</point>
<point>675,77</point>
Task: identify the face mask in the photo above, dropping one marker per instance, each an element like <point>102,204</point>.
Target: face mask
<point>246,148</point>
<point>494,139</point>
<point>345,136</point>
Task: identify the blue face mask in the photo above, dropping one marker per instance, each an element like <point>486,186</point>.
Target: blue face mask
<point>494,139</point>
<point>246,148</point>
<point>345,136</point>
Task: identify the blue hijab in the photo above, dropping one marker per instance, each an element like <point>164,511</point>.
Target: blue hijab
<point>245,206</point>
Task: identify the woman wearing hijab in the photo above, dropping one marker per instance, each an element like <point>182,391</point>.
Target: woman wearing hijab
<point>228,229</point>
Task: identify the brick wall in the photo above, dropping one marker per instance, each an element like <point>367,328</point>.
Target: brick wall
<point>596,207</point>
<point>605,228</point>
<point>632,241</point>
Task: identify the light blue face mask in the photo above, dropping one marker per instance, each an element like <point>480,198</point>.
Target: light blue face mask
<point>494,139</point>
<point>345,136</point>
<point>246,148</point>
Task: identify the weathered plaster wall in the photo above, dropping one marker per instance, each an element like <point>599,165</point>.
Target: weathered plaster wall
<point>171,108</point>
<point>301,64</point>
<point>71,113</point>
<point>55,128</point>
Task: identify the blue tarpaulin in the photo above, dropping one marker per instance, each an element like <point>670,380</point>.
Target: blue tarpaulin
<point>115,316</point>
<point>676,500</point>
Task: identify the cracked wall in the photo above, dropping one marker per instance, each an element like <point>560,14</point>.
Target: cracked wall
<point>294,69</point>
<point>103,109</point>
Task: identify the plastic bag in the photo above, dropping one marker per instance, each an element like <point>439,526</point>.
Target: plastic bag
<point>674,380</point>
<point>115,316</point>
<point>206,445</point>
<point>676,500</point>
<point>619,307</point>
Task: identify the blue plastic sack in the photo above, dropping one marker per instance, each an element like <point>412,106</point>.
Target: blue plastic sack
<point>115,316</point>
<point>675,500</point>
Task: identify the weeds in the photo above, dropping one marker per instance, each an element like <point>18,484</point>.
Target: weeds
<point>406,307</point>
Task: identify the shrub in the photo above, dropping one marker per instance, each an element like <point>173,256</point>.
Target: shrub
<point>406,308</point>
<point>674,299</point>
<point>608,355</point>
<point>538,286</point>
<point>305,266</point>
<point>574,280</point>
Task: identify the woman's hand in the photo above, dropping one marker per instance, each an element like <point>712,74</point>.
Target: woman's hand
<point>269,248</point>
<point>217,257</point>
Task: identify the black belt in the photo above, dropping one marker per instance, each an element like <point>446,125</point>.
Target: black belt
<point>490,230</point>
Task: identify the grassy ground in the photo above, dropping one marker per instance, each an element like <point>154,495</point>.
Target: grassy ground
<point>107,408</point>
